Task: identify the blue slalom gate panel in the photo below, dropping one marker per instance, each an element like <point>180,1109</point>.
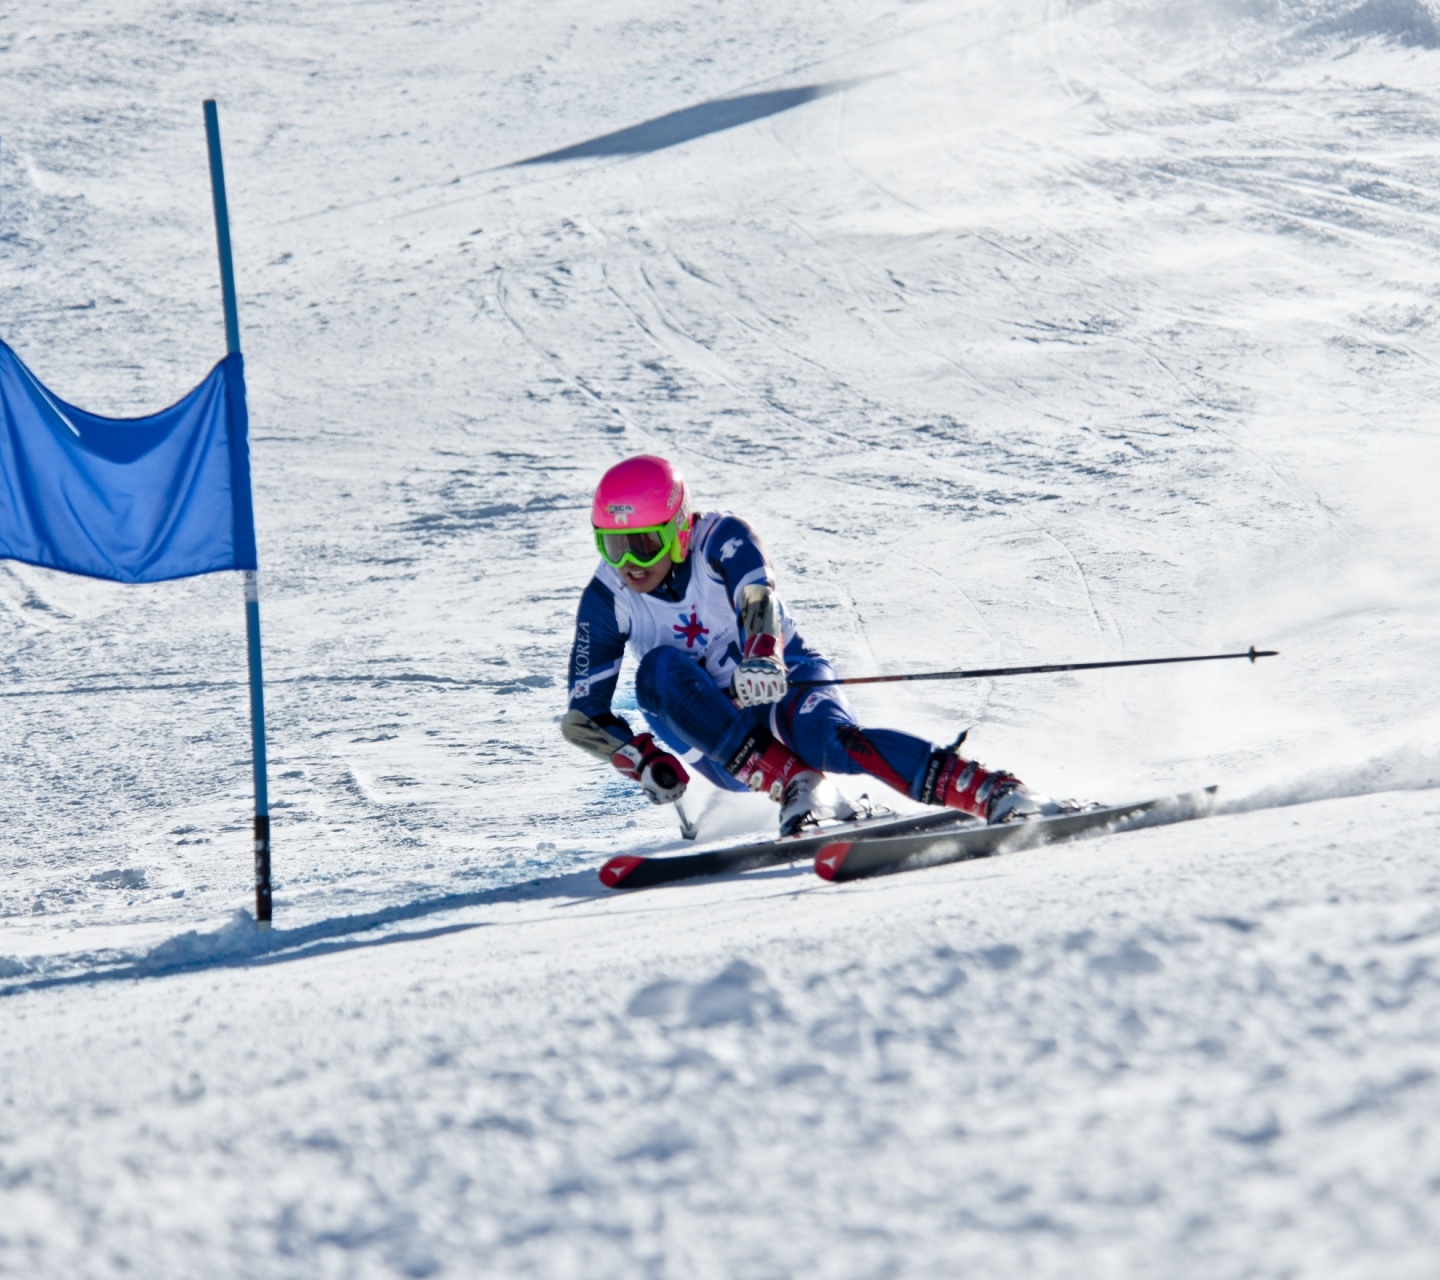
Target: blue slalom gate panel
<point>129,499</point>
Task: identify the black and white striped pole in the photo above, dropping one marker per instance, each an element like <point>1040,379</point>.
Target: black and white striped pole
<point>251,576</point>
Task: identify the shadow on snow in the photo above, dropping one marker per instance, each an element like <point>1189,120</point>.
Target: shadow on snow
<point>675,127</point>
<point>240,944</point>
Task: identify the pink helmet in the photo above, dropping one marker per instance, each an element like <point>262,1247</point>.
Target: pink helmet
<point>644,493</point>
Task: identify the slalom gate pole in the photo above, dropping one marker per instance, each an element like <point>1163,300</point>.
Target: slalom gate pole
<point>981,672</point>
<point>251,576</point>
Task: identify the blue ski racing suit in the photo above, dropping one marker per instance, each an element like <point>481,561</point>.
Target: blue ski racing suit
<point>688,636</point>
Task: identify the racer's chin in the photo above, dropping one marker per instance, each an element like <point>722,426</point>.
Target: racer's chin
<point>643,581</point>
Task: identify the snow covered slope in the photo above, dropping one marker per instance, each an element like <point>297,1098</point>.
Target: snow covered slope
<point>1024,332</point>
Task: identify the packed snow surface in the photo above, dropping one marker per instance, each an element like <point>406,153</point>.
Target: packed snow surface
<point>1026,332</point>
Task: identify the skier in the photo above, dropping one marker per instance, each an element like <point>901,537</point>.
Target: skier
<point>694,597</point>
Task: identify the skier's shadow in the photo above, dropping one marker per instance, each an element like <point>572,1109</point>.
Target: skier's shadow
<point>239,944</point>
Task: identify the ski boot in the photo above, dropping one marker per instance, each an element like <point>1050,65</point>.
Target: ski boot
<point>992,795</point>
<point>804,795</point>
<point>809,799</point>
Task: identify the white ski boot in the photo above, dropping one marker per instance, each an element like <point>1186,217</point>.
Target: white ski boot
<point>809,799</point>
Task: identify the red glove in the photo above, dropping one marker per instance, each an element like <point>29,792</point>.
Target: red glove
<point>661,777</point>
<point>760,677</point>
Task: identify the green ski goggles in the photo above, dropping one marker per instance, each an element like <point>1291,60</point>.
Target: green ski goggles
<point>641,547</point>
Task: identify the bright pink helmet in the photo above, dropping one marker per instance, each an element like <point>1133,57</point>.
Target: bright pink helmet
<point>641,512</point>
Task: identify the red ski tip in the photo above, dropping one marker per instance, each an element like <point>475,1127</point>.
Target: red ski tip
<point>828,860</point>
<point>617,869</point>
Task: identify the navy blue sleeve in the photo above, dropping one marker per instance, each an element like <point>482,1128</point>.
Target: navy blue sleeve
<point>735,552</point>
<point>596,654</point>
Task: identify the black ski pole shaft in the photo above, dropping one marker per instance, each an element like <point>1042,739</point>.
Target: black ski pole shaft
<point>981,672</point>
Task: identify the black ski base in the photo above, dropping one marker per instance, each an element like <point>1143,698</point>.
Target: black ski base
<point>632,871</point>
<point>848,858</point>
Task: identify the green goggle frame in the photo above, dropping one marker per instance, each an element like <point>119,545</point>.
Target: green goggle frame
<point>641,547</point>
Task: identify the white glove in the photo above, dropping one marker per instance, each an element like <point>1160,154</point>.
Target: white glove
<point>760,677</point>
<point>661,776</point>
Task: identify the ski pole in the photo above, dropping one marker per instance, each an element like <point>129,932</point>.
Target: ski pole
<point>688,830</point>
<point>980,672</point>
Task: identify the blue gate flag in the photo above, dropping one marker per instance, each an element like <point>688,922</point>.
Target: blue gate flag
<point>130,499</point>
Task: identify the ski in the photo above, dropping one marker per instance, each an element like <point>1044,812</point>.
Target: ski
<point>850,857</point>
<point>633,871</point>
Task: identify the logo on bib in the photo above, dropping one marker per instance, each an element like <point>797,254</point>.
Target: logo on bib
<point>690,630</point>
